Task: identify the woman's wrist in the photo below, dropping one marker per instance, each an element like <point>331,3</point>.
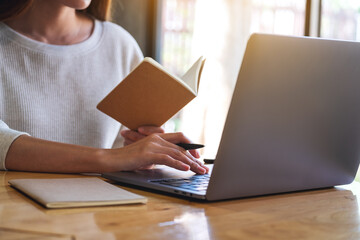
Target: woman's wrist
<point>100,160</point>
<point>107,160</point>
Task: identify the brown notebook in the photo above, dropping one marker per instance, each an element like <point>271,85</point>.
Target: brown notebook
<point>150,95</point>
<point>75,192</point>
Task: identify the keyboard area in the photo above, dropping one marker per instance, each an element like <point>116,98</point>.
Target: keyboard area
<point>197,183</point>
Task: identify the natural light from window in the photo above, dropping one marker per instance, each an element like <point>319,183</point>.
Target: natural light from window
<point>341,19</point>
<point>218,30</point>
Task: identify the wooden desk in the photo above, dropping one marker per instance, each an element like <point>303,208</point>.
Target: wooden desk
<point>322,214</point>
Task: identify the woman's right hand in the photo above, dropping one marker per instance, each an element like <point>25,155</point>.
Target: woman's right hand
<point>151,150</point>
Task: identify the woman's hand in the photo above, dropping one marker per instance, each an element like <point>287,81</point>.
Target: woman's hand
<point>131,136</point>
<point>153,149</point>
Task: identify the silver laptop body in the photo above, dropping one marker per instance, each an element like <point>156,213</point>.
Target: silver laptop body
<point>293,123</point>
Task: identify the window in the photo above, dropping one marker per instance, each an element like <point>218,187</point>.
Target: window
<point>177,28</point>
<point>178,20</point>
<point>340,19</point>
<point>280,17</point>
<point>219,29</point>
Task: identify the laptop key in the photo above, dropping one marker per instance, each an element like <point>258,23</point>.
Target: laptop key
<point>195,183</point>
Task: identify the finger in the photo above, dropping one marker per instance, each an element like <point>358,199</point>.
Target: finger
<point>178,153</point>
<point>179,161</point>
<point>195,165</point>
<point>195,153</point>
<point>127,142</point>
<point>148,130</point>
<point>132,135</point>
<point>180,137</point>
<point>199,163</point>
<point>177,137</point>
<point>165,159</point>
<point>184,156</point>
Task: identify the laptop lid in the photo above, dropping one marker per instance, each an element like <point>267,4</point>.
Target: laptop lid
<point>293,123</point>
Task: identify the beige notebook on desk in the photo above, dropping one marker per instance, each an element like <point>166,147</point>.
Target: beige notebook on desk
<point>75,192</point>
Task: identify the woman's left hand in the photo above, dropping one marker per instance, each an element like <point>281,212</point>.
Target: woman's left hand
<point>131,136</point>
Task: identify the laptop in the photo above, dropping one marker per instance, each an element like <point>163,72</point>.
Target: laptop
<point>293,124</point>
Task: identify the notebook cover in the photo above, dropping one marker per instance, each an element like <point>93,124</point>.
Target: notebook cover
<point>147,96</point>
<point>75,192</point>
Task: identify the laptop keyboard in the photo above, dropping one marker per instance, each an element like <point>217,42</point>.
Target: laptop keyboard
<point>198,183</point>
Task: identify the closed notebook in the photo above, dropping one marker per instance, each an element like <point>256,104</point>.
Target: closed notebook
<point>75,192</point>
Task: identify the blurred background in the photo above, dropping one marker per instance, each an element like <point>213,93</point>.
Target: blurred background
<point>177,32</point>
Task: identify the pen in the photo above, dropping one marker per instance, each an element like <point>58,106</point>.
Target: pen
<point>190,146</point>
<point>209,161</point>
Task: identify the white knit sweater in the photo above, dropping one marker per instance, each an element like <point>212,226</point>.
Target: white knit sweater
<point>51,92</point>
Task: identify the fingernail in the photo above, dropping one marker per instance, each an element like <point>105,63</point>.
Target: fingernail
<point>186,167</point>
<point>202,170</point>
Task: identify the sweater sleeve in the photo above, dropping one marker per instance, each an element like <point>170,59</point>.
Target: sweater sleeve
<point>134,57</point>
<point>7,136</point>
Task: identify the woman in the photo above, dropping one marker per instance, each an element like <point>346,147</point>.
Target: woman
<point>59,58</point>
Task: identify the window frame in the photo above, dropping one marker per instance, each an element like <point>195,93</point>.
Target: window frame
<point>313,12</point>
